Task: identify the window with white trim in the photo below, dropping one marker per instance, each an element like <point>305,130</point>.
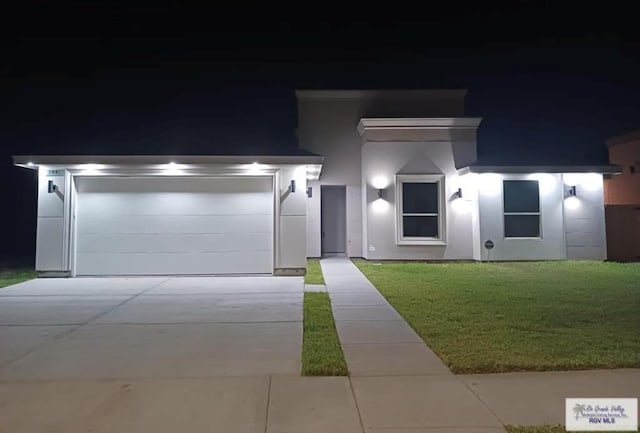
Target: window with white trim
<point>521,208</point>
<point>420,213</point>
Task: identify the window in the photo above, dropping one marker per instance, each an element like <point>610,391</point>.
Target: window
<point>420,215</point>
<point>521,209</point>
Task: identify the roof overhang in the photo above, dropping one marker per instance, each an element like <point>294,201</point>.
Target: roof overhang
<point>417,123</point>
<point>328,94</point>
<point>624,138</point>
<point>522,169</point>
<point>177,164</point>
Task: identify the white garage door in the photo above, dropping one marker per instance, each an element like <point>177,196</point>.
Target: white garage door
<point>176,225</point>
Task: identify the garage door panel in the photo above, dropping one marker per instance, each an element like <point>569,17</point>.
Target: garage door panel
<point>174,203</point>
<point>163,226</point>
<point>189,224</point>
<point>170,264</point>
<point>174,243</point>
<point>171,184</point>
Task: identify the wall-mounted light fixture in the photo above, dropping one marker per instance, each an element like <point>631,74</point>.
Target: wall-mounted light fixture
<point>309,192</point>
<point>458,193</point>
<point>52,187</point>
<point>293,185</point>
<point>381,193</point>
<point>571,192</point>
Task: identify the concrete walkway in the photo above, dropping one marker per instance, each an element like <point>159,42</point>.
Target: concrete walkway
<point>400,385</point>
<point>398,382</point>
<point>538,398</point>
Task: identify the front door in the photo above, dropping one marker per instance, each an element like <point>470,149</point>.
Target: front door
<point>333,203</point>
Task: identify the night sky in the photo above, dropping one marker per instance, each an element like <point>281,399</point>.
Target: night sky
<point>551,82</point>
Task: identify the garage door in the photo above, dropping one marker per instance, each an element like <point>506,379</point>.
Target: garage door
<point>170,226</point>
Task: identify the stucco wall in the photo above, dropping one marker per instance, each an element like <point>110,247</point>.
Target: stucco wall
<point>381,162</point>
<point>551,245</point>
<point>293,215</point>
<point>585,217</point>
<point>55,231</point>
<point>52,219</point>
<point>624,188</point>
<point>327,126</point>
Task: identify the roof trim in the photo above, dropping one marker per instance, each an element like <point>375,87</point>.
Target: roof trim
<point>604,169</point>
<point>367,124</point>
<point>370,94</point>
<point>623,138</point>
<point>32,161</point>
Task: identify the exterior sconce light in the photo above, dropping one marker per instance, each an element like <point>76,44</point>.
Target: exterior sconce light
<point>571,192</point>
<point>309,192</point>
<point>293,185</point>
<point>458,193</point>
<point>52,187</point>
<point>380,193</point>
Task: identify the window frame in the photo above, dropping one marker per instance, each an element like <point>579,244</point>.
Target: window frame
<point>420,178</point>
<point>505,213</point>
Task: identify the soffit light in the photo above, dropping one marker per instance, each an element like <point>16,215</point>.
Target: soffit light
<point>89,169</point>
<point>255,168</point>
<point>313,172</point>
<point>172,168</point>
<point>91,166</point>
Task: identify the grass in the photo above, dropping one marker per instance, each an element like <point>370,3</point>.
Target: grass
<point>534,316</point>
<point>314,272</point>
<point>14,276</point>
<point>537,429</point>
<point>321,351</point>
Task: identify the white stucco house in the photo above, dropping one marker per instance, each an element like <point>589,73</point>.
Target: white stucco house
<point>380,175</point>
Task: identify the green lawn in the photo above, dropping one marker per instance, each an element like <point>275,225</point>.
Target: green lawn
<point>321,351</point>
<point>498,317</point>
<point>14,276</point>
<point>314,272</point>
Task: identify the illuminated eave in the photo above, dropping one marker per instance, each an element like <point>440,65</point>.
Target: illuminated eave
<point>523,169</point>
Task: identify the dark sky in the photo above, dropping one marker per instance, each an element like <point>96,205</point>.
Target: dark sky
<point>551,81</point>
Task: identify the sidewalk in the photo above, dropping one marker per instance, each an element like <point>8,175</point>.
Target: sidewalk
<point>538,398</point>
<point>399,384</point>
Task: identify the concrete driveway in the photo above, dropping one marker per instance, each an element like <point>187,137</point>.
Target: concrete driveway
<point>159,355</point>
<point>97,328</point>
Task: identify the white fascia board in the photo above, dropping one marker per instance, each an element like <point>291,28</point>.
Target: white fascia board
<point>418,123</point>
<point>151,161</point>
<point>373,93</point>
<point>521,169</point>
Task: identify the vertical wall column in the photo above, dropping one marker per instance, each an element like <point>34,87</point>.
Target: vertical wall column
<point>584,217</point>
<point>292,219</point>
<point>314,219</point>
<point>51,236</point>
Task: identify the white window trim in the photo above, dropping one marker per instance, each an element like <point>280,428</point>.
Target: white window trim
<point>413,178</point>
<point>504,213</point>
